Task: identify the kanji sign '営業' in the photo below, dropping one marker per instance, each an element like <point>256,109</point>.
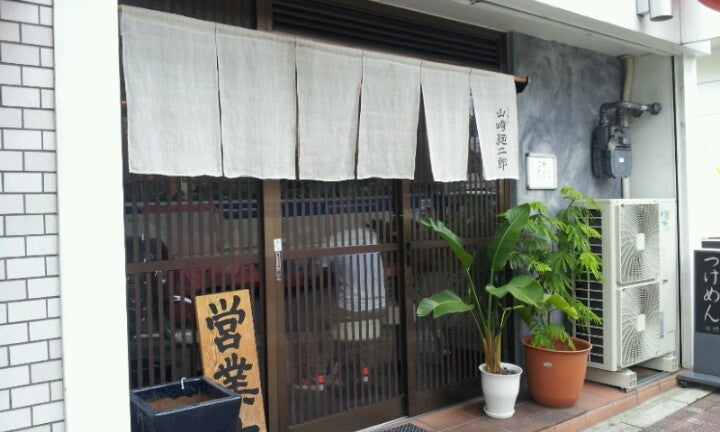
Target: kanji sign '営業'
<point>226,334</point>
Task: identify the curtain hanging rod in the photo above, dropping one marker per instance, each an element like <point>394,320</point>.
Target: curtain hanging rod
<point>521,82</point>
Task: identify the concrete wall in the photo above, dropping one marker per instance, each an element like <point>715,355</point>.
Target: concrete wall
<point>31,386</point>
<point>559,110</point>
<point>653,137</point>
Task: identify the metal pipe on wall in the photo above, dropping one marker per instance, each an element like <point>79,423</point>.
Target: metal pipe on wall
<point>629,66</point>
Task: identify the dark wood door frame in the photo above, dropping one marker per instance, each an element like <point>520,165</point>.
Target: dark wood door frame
<point>276,396</point>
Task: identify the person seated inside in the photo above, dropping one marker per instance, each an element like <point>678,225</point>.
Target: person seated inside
<point>358,300</point>
<point>359,277</point>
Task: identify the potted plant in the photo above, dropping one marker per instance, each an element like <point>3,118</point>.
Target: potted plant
<point>555,250</point>
<point>190,405</point>
<point>490,314</point>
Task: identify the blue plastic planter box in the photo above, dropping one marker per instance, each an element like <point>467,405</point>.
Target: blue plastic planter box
<point>201,406</point>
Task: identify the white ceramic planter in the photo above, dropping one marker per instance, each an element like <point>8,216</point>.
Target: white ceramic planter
<point>501,391</point>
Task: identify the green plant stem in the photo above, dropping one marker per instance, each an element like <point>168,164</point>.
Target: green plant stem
<point>490,298</point>
<point>504,317</point>
<point>476,300</point>
<point>478,318</point>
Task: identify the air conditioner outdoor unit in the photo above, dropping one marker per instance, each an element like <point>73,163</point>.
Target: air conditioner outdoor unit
<point>638,299</point>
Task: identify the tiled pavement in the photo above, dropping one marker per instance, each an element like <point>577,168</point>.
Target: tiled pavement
<point>695,409</point>
<point>657,406</point>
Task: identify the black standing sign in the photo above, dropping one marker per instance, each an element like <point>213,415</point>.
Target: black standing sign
<point>707,291</point>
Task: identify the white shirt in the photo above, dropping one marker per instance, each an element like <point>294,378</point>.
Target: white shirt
<point>359,278</point>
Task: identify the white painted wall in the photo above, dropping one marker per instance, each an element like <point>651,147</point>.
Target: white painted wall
<point>709,66</point>
<point>619,13</point>
<point>698,22</point>
<point>692,21</point>
<point>700,176</point>
<point>690,193</point>
<point>610,27</point>
<point>706,212</point>
<point>90,206</point>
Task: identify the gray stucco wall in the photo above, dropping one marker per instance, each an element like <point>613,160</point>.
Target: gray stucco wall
<point>559,109</point>
<point>557,113</point>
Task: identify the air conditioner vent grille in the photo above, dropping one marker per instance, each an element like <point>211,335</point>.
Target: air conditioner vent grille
<point>639,243</point>
<point>639,323</point>
<point>590,292</point>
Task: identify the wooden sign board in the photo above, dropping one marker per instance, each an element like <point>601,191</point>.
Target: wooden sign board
<point>229,354</point>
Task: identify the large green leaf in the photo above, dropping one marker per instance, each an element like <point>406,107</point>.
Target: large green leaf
<point>524,288</point>
<point>559,302</point>
<point>451,239</point>
<point>499,292</point>
<point>506,235</point>
<point>441,303</point>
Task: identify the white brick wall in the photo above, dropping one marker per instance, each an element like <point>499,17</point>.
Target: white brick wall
<point>18,11</point>
<point>4,400</point>
<point>19,54</point>
<point>30,395</point>
<point>24,225</point>
<point>11,204</point>
<point>45,329</point>
<point>31,387</point>
<point>41,203</point>
<point>21,139</point>
<point>28,353</point>
<point>9,31</point>
<point>10,74</point>
<point>10,117</point>
<point>37,77</point>
<point>20,97</point>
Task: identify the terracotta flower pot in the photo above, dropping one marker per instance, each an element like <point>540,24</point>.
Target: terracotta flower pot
<point>555,378</point>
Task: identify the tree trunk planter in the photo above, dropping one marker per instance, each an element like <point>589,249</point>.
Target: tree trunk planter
<point>190,405</point>
<point>555,378</point>
<point>501,391</point>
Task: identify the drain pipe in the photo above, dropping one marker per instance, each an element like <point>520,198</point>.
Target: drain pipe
<point>629,64</point>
